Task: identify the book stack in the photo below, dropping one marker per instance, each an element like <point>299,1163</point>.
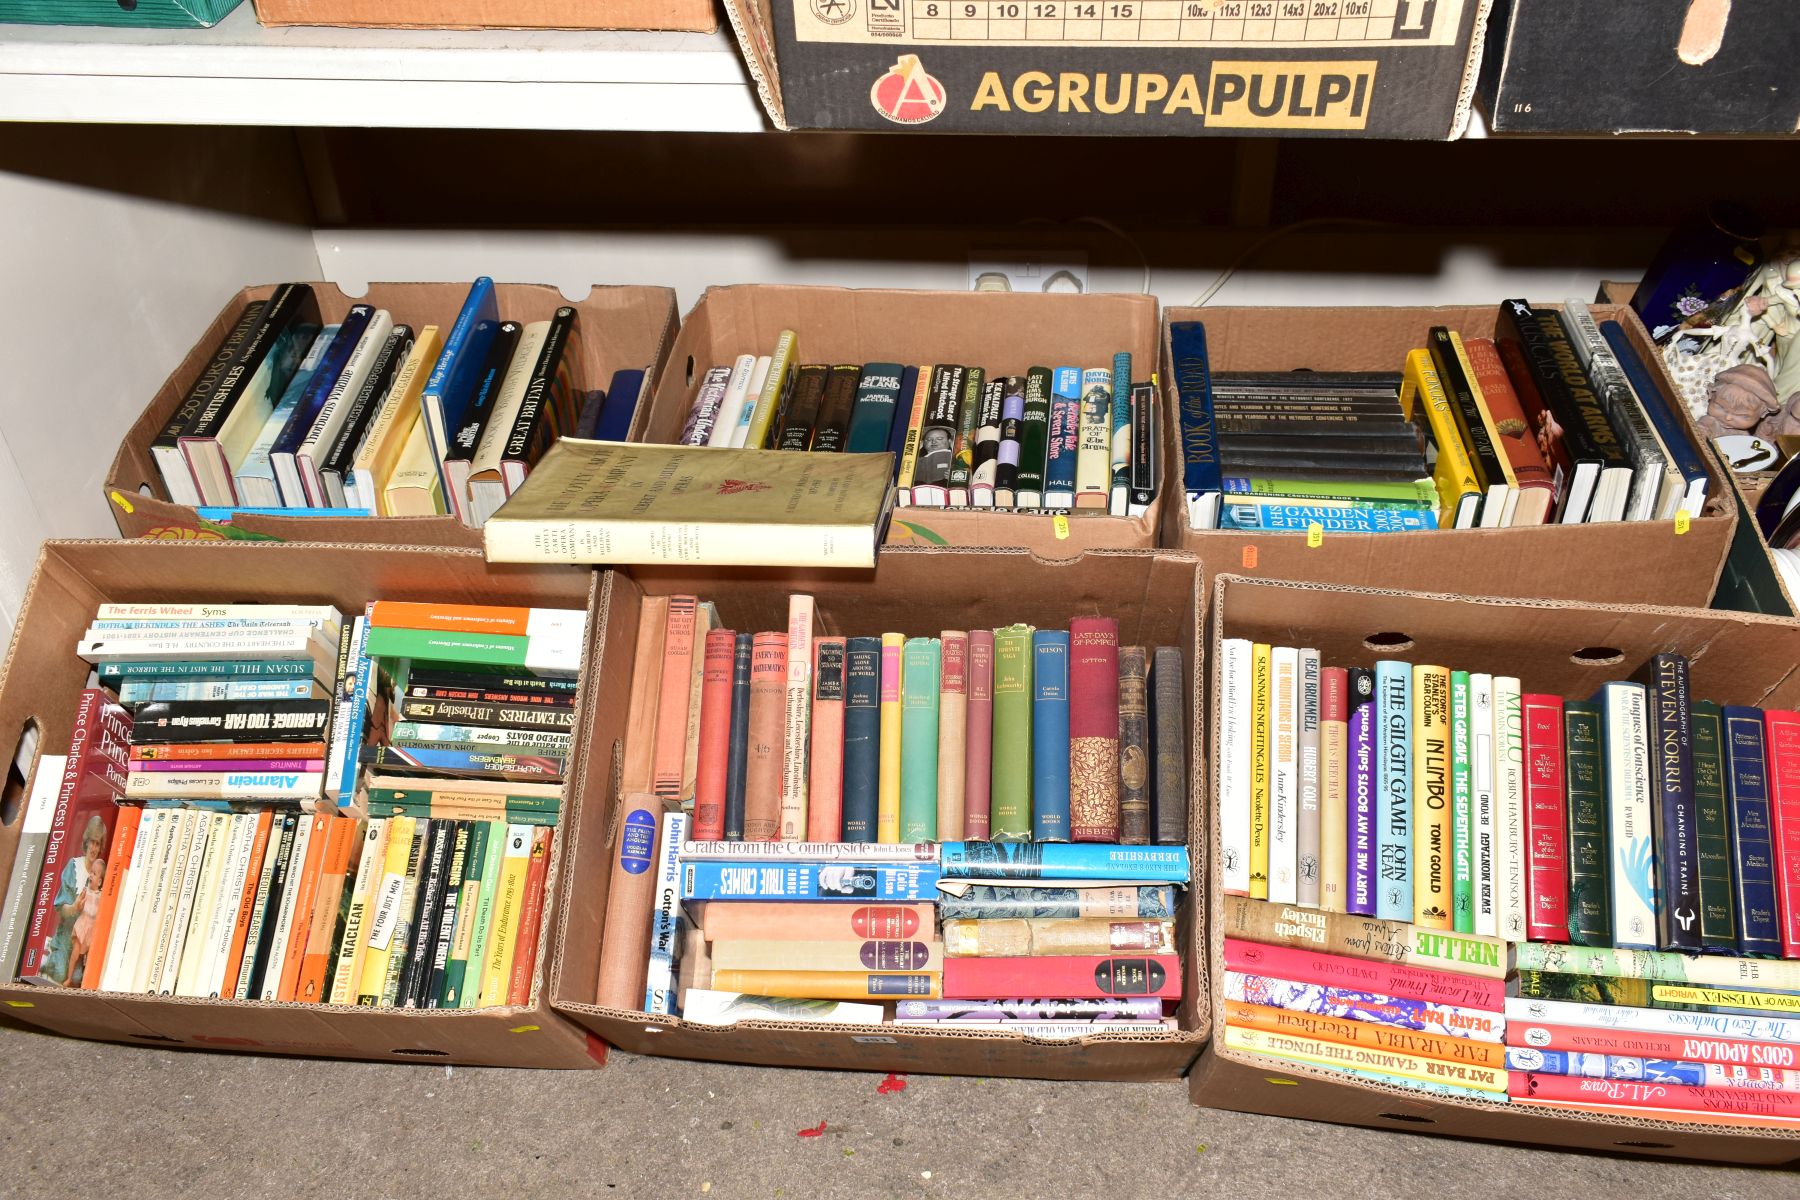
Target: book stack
<point>1627,863</point>
<point>367,416</point>
<point>1063,439</point>
<point>1555,419</point>
<point>248,869</point>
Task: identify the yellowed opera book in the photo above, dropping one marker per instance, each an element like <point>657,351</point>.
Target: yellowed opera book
<point>414,489</point>
<point>1024,936</point>
<point>831,985</point>
<point>619,502</point>
<point>388,433</point>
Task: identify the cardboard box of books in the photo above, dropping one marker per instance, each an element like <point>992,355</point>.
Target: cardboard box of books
<point>253,846</point>
<point>693,15</point>
<point>246,475</point>
<point>1465,855</point>
<point>1060,960</point>
<point>1235,68</point>
<point>975,437</point>
<point>1346,439</point>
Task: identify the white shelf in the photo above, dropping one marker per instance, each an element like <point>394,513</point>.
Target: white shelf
<point>239,73</point>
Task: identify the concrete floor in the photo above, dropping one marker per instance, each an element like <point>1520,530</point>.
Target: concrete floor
<point>86,1119</point>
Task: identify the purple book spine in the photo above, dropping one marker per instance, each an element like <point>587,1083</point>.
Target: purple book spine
<point>1361,840</point>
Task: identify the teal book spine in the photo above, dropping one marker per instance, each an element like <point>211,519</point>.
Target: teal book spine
<point>1462,807</point>
<point>1121,429</point>
<point>919,739</point>
<point>872,412</point>
<point>1590,906</point>
<point>1010,794</point>
<point>1393,803</point>
<point>1050,735</point>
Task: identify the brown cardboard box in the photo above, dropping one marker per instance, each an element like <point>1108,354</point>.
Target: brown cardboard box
<point>1154,595</point>
<point>1564,648</point>
<point>1003,333</point>
<point>1643,562</point>
<point>42,678</point>
<point>696,15</point>
<point>622,328</point>
<point>1224,68</point>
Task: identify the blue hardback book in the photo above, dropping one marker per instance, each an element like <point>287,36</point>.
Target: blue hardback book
<point>622,397</point>
<point>1657,406</point>
<point>706,880</point>
<point>737,756</point>
<point>1200,466</point>
<point>872,413</point>
<point>1056,860</point>
<point>862,737</point>
<point>587,418</point>
<point>1120,439</point>
<point>1065,437</point>
<point>221,514</point>
<point>337,355</point>
<point>1393,802</point>
<point>903,406</point>
<point>1050,735</point>
<point>256,485</point>
<point>459,365</point>
<point>1752,845</point>
<point>1665,678</point>
<point>1277,516</point>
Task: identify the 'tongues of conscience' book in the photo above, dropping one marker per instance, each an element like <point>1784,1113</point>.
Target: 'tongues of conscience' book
<point>605,502</point>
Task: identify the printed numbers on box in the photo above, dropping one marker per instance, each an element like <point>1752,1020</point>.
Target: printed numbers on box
<point>1043,10</point>
<point>1008,11</point>
<point>1123,12</point>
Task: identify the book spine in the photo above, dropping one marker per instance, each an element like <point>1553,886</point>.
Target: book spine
<point>777,920</point>
<point>978,741</point>
<point>1364,766</point>
<point>1308,820</point>
<point>737,754</point>
<point>1334,815</point>
<point>523,968</point>
<point>462,982</point>
<point>1676,833</point>
<point>918,407</point>
<point>1065,437</point>
<point>1064,977</point>
<point>1705,971</point>
<point>509,911</point>
<point>1515,440</point>
<point>735,406</point>
<point>808,881</point>
<point>1054,861</point>
<point>920,661</point>
<point>1169,734</point>
<point>665,917</point>
<point>672,702</point>
<point>1299,928</point>
<point>1034,438</point>
<point>825,785</point>
<point>1545,1034</point>
<point>1093,463</point>
<point>1261,726</point>
<point>1425,1016</point>
<point>1123,399</point>
<point>872,413</point>
<point>1096,1011</point>
<point>28,860</point>
<point>1522,1012</point>
<point>1649,1097</point>
<point>1747,780</point>
<point>1373,1035</point>
<point>796,719</point>
<point>762,768</point>
<point>1035,936</point>
<point>1431,751</point>
<point>709,402</point>
<point>1146,447</point>
<point>986,460</point>
<point>1632,860</point>
<point>831,433</point>
<point>352,951</point>
<point>783,364</point>
<point>787,954</point>
<point>1050,744</point>
<point>1511,836</point>
<point>124,866</point>
<point>827,985</point>
<point>1590,890</point>
<point>1315,1052</point>
<point>1201,468</point>
<point>1006,463</point>
<point>1284,774</point>
<point>214,720</point>
<point>434,978</point>
<point>887,815</point>
<point>1718,909</point>
<point>1394,800</point>
<point>832,851</point>
<point>1686,1073</point>
<point>1094,729</point>
<point>862,738</point>
<point>1782,729</point>
<point>937,436</point>
<point>1235,715</point>
<point>1548,840</point>
<point>1134,749</point>
<point>1462,806</point>
<point>999,903</point>
<point>952,734</point>
<point>1483,801</point>
<point>1010,818</point>
<point>1384,978</point>
<point>715,735</point>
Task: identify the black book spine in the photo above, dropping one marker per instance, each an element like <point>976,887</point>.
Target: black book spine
<point>962,458</point>
<point>1169,746</point>
<point>491,681</point>
<point>1665,679</point>
<point>466,437</point>
<point>165,721</point>
<point>987,437</point>
<point>478,695</point>
<point>1034,433</point>
<point>833,426</point>
<point>369,400</point>
<point>227,352</point>
<point>1557,374</point>
<point>1335,440</point>
<point>432,995</point>
<point>1321,455</point>
<point>290,319</point>
<point>469,712</point>
<point>1143,443</point>
<point>422,936</point>
<point>1382,426</point>
<point>801,412</point>
<point>549,409</point>
<point>737,755</point>
<point>265,942</point>
<point>1467,410</point>
<point>1305,404</point>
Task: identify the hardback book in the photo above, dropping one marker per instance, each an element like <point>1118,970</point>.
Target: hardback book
<point>1284,774</point>
<point>962,461</point>
<point>1200,463</point>
<point>1146,449</point>
<point>1361,788</point>
<point>1125,399</point>
<point>1433,882</point>
<point>1665,680</point>
<point>825,785</point>
<point>320,384</point>
<point>548,410</point>
<point>1095,717</point>
<point>952,733</point>
<point>709,400</point>
<point>626,503</point>
<point>1258,715</point>
<point>624,395</point>
<point>759,375</point>
<point>873,408</point>
<point>816,922</point>
<point>393,421</point>
<point>900,427</point>
<point>1683,457</point>
<point>1034,440</point>
<point>937,436</point>
<point>921,660</point>
<point>1258,921</point>
<point>796,718</point>
<point>1308,822</point>
<point>1093,465</point>
<point>1512,850</point>
<point>1134,746</point>
<point>413,488</point>
<point>887,808</point>
<point>763,763</point>
<point>1008,455</point>
<point>1548,820</point>
<point>1064,977</point>
<point>484,402</point>
<point>986,460</point>
<point>787,954</point>
<point>165,447</point>
<point>1050,745</point>
<point>712,769</point>
<point>784,361</point>
<point>1656,489</point>
<point>795,427</point>
<point>809,881</point>
<point>1473,421</point>
<point>1631,842</point>
<point>737,756</point>
<point>831,430</point>
<point>487,481</point>
<point>1462,806</point>
<point>978,741</point>
<point>911,444</point>
<point>1712,819</point>
<point>1113,901</point>
<point>1169,733</point>
<point>1514,436</point>
<point>1029,936</point>
<point>1782,729</point>
<point>254,477</point>
<point>1483,817</point>
<point>828,985</point>
<point>1459,489</point>
<point>328,456</point>
<point>1334,774</point>
<point>731,403</point>
<point>458,368</point>
<point>862,738</point>
<point>1064,449</point>
<point>1010,794</point>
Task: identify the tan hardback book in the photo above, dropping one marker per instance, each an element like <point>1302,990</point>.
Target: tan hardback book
<point>414,489</point>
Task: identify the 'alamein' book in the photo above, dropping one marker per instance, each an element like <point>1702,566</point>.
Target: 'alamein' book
<point>614,502</point>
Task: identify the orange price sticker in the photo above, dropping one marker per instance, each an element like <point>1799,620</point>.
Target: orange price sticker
<point>1249,558</point>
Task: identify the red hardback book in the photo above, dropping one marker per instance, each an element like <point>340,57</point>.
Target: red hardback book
<point>1626,1043</point>
<point>1518,438</point>
<point>978,749</point>
<point>73,876</point>
<point>1093,729</point>
<point>1784,821</point>
<point>672,699</point>
<point>531,918</point>
<point>768,705</point>
<point>1546,821</point>
<point>953,735</point>
<point>1403,982</point>
<point>715,736</point>
<point>1064,977</point>
<point>1647,1097</point>
<point>825,782</point>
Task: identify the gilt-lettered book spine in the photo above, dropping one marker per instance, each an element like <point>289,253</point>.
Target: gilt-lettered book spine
<point>1665,678</point>
<point>979,740</point>
<point>1169,731</point>
<point>762,773</point>
<point>1134,747</point>
<point>953,730</point>
<point>1094,729</point>
<point>796,718</point>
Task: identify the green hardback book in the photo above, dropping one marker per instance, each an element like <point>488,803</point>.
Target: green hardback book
<point>1718,914</point>
<point>548,654</point>
<point>1462,807</point>
<point>484,911</point>
<point>1608,989</point>
<point>1010,811</point>
<point>1419,493</point>
<point>919,739</point>
<point>1590,909</point>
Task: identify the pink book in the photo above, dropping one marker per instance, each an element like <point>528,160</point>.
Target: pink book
<point>1643,1099</point>
<point>978,748</point>
<point>715,736</point>
<point>1093,729</point>
<point>953,734</point>
<point>1784,822</point>
<point>825,784</point>
<point>1546,827</point>
<point>672,699</point>
<point>1064,977</point>
<point>1365,975</point>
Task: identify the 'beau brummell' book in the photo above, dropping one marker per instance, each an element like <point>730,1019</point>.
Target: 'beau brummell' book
<point>615,502</point>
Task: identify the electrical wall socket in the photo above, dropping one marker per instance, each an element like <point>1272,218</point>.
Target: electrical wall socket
<point>1028,271</point>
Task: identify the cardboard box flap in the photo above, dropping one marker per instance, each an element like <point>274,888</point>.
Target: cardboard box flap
<point>752,23</point>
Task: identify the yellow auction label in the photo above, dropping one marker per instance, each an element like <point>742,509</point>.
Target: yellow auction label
<point>1683,522</point>
<point>1061,525</point>
<point>1315,536</point>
